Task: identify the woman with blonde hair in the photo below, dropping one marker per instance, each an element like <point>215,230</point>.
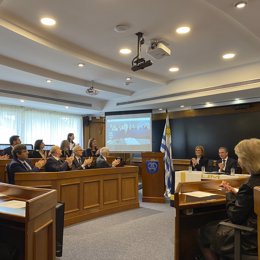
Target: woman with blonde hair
<point>65,148</point>
<point>218,240</point>
<point>199,160</point>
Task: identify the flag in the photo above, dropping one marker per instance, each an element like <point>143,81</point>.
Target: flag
<point>167,150</point>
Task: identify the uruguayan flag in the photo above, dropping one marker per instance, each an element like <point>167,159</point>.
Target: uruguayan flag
<point>167,150</point>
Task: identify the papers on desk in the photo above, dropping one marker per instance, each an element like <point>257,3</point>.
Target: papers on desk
<point>13,204</point>
<point>2,195</point>
<point>199,194</point>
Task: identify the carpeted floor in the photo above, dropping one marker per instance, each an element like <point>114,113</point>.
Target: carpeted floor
<point>145,233</point>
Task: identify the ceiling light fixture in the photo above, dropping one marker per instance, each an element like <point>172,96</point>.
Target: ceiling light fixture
<point>48,21</point>
<point>91,90</point>
<point>228,56</point>
<point>125,51</point>
<point>174,69</point>
<point>128,78</point>
<point>241,4</point>
<point>22,101</point>
<point>160,109</point>
<point>182,106</point>
<point>81,65</point>
<point>48,81</point>
<point>121,28</point>
<point>66,107</point>
<point>183,30</point>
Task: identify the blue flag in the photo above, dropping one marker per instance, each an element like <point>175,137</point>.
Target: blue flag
<point>167,150</point>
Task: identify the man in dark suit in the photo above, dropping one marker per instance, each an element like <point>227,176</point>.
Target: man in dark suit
<point>14,140</point>
<point>55,164</point>
<point>79,162</point>
<point>225,164</point>
<point>101,161</point>
<point>21,164</point>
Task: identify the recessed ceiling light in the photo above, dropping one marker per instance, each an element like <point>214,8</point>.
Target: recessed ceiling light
<point>67,107</point>
<point>174,69</point>
<point>22,101</point>
<point>228,56</point>
<point>121,28</point>
<point>240,4</point>
<point>182,106</point>
<point>125,51</point>
<point>48,21</point>
<point>48,81</point>
<point>81,65</point>
<point>160,109</point>
<point>128,78</point>
<point>183,30</point>
<point>237,99</point>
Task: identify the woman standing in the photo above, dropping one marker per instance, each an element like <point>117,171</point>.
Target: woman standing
<point>70,139</point>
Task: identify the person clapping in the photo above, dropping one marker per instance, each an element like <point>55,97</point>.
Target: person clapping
<point>199,160</point>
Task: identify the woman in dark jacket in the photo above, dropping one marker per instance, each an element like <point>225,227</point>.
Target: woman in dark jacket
<point>199,160</point>
<point>240,208</point>
<point>92,150</point>
<point>38,150</point>
<point>65,149</point>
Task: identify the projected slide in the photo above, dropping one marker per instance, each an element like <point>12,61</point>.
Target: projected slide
<point>129,133</point>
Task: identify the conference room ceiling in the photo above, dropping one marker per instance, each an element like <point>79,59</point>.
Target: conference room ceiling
<point>32,53</point>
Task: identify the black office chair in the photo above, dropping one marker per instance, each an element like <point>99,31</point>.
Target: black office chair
<point>59,228</point>
<point>237,250</point>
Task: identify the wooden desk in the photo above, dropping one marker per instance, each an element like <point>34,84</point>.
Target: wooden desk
<point>3,163</point>
<point>89,193</point>
<point>192,213</point>
<point>257,211</point>
<point>30,229</point>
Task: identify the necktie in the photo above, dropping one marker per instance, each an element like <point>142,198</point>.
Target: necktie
<point>79,160</point>
<point>224,163</point>
<point>26,166</point>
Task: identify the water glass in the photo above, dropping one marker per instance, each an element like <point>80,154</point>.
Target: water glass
<point>190,168</point>
<point>232,171</point>
<point>203,169</point>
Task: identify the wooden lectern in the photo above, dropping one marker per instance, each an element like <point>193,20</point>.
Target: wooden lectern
<point>27,222</point>
<point>153,177</point>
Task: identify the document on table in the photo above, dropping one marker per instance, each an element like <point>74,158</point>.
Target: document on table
<point>13,204</point>
<point>2,195</point>
<point>199,194</point>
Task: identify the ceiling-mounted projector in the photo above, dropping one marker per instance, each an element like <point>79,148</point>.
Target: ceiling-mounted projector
<point>158,50</point>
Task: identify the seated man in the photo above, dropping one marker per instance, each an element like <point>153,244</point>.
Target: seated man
<point>14,140</point>
<point>55,164</point>
<point>21,164</point>
<point>79,163</point>
<point>101,161</point>
<point>225,164</point>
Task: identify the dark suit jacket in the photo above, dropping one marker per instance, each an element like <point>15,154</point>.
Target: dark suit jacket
<point>102,163</point>
<point>230,163</point>
<point>52,165</point>
<point>203,162</point>
<point>17,166</point>
<point>66,153</point>
<point>8,151</point>
<point>35,154</point>
<point>77,166</point>
<point>89,153</point>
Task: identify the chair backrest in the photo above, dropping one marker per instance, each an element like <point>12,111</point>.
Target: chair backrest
<point>10,177</point>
